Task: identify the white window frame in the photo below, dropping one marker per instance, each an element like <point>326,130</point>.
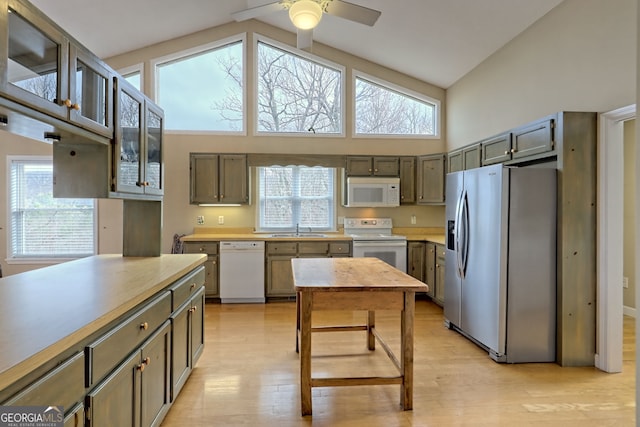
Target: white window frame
<point>258,38</point>
<point>37,259</point>
<point>334,214</point>
<point>401,90</point>
<point>155,62</point>
<point>132,69</point>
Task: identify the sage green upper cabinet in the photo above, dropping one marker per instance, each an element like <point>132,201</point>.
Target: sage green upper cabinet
<point>455,161</point>
<point>471,156</point>
<point>430,179</point>
<point>533,139</point>
<point>528,142</point>
<point>219,179</point>
<point>44,69</point>
<point>407,180</point>
<point>372,166</point>
<point>496,149</point>
<point>138,159</point>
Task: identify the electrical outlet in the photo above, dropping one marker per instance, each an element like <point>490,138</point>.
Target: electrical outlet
<point>221,219</point>
<point>625,282</point>
<point>413,219</point>
<point>200,219</point>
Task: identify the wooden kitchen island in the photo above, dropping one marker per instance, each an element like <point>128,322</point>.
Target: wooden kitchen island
<point>354,284</point>
<point>101,333</point>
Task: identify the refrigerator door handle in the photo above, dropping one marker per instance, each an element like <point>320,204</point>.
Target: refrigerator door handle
<point>464,250</point>
<point>457,234</point>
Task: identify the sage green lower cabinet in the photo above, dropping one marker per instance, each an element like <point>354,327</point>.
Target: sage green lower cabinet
<point>279,278</point>
<point>75,416</point>
<point>430,269</point>
<point>137,392</point>
<point>212,288</point>
<point>439,275</point>
<point>187,340</point>
<point>416,260</point>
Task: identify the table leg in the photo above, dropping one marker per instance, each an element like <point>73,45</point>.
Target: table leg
<point>406,362</point>
<point>371,323</point>
<point>305,352</point>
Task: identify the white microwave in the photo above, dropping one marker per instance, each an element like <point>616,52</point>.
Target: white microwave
<point>373,192</point>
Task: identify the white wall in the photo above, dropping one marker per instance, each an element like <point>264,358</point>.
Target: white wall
<point>579,57</point>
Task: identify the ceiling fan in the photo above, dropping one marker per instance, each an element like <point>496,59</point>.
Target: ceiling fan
<point>306,14</point>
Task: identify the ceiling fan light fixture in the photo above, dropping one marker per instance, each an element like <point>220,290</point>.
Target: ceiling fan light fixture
<point>305,14</point>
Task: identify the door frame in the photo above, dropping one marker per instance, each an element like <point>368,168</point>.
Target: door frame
<point>609,240</point>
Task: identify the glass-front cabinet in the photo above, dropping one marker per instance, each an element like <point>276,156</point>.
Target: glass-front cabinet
<point>138,161</point>
<point>45,70</point>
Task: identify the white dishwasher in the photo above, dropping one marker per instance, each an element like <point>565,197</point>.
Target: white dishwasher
<point>242,272</point>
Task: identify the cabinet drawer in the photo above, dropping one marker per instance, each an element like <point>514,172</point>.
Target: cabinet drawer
<point>339,248</point>
<point>320,248</point>
<point>210,248</point>
<point>63,385</point>
<point>105,353</point>
<point>181,290</point>
<point>275,248</point>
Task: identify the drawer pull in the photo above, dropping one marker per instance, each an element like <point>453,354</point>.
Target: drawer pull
<point>193,286</point>
<point>144,326</point>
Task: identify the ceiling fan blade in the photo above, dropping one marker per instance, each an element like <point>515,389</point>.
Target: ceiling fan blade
<point>256,12</point>
<point>353,12</point>
<point>305,39</point>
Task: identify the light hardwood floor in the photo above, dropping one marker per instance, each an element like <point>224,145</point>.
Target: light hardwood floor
<point>249,376</point>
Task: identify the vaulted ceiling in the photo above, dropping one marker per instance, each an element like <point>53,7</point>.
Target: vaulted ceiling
<point>437,41</point>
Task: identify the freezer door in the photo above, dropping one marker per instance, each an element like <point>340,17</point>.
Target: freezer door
<point>452,277</point>
<point>483,290</point>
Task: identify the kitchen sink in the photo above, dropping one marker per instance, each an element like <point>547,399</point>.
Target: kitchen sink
<point>298,235</point>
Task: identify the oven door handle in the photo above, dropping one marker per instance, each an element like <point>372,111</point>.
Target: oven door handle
<point>379,244</point>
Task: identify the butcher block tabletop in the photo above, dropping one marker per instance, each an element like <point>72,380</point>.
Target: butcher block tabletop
<point>349,274</point>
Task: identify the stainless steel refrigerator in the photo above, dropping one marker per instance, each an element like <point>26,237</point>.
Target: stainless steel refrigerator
<point>500,273</point>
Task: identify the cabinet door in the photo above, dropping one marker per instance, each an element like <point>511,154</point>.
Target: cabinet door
<point>204,178</point>
<point>211,277</point>
<point>407,180</point>
<point>455,161</point>
<point>416,260</point>
<point>533,139</point>
<point>197,326</point>
<point>471,157</point>
<point>359,166</point>
<point>430,268</point>
<point>75,416</point>
<point>90,92</point>
<point>37,60</point>
<point>156,374</point>
<point>279,276</point>
<point>431,179</point>
<point>153,160</point>
<point>129,104</point>
<point>116,401</point>
<point>496,149</point>
<point>233,175</point>
<point>180,349</point>
<point>439,291</point>
<point>385,166</point>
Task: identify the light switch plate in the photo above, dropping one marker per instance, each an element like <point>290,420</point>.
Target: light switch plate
<point>221,219</point>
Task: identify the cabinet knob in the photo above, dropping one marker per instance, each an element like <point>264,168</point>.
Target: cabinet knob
<point>144,364</point>
<point>144,326</point>
<point>193,309</point>
<point>506,152</point>
<point>67,103</point>
<point>513,150</point>
<point>76,107</point>
<point>193,285</point>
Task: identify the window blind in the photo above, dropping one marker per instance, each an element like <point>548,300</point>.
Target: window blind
<point>44,227</point>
